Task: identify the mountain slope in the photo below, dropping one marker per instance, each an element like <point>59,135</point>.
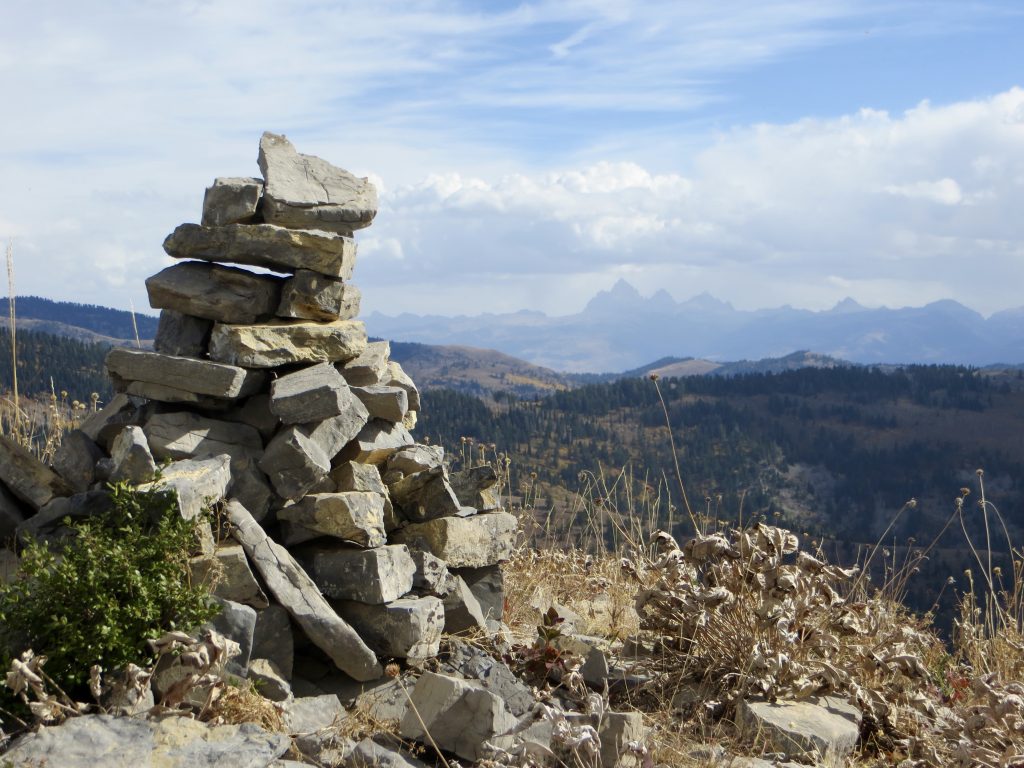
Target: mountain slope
<point>620,329</point>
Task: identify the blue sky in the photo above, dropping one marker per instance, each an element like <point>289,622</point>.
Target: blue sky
<point>530,154</point>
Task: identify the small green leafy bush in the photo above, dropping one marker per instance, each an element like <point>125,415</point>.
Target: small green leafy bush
<point>120,581</point>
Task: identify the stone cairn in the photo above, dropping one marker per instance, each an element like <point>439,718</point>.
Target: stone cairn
<point>350,544</point>
<point>263,391</point>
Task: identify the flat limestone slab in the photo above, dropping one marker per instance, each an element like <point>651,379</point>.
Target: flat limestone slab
<point>93,741</point>
<point>305,191</point>
<point>213,292</point>
<point>195,482</point>
<point>293,589</point>
<point>829,725</point>
<point>463,542</point>
<point>264,245</point>
<point>201,377</point>
<point>183,435</point>
<point>274,344</point>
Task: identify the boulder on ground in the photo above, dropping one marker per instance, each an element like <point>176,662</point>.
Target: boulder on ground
<point>91,741</point>
<point>460,716</point>
<point>305,191</point>
<point>828,726</point>
<point>619,731</point>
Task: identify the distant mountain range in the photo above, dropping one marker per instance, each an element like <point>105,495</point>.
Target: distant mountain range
<point>620,330</point>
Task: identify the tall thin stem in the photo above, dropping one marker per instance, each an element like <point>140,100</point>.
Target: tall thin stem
<point>13,330</point>
<point>675,454</point>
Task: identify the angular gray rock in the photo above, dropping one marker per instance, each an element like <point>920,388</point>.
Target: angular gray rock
<point>432,576</point>
<point>387,403</point>
<point>264,245</point>
<point>92,741</point>
<point>488,586</point>
<point>272,639</point>
<point>27,477</point>
<point>352,476</point>
<point>312,395</point>
<point>236,622</point>
<point>312,296</point>
<point>213,292</point>
<point>75,459</point>
<point>424,496</point>
<point>183,434</point>
<point>195,483</point>
<point>294,463</point>
<point>473,487</point>
<point>416,458</point>
<point>235,581</point>
<point>408,628</point>
<point>201,377</point>
<point>333,433</point>
<point>255,411</point>
<point>396,376</point>
<point>275,344</point>
<point>617,731</point>
<point>369,754</point>
<point>293,589</point>
<point>132,459</point>
<point>231,201</point>
<point>305,191</point>
<point>828,725</point>
<point>269,680</point>
<point>104,425</point>
<point>370,367</point>
<point>466,660</point>
<point>182,335</point>
<point>459,715</point>
<point>470,542</point>
<point>313,722</point>
<point>462,612</point>
<point>376,442</point>
<point>355,516</point>
<point>373,576</point>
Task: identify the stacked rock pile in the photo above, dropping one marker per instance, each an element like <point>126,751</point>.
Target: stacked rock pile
<point>263,391</point>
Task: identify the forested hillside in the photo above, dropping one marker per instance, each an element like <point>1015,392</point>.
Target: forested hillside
<point>115,323</point>
<point>835,453</point>
<point>46,361</point>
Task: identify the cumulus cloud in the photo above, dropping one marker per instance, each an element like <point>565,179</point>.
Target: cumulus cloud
<point>803,213</point>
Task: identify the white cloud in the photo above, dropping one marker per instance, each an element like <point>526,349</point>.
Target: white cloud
<point>804,213</point>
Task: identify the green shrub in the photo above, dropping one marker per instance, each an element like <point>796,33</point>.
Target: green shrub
<point>120,581</point>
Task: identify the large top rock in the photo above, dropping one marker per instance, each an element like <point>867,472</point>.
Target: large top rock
<point>306,192</point>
